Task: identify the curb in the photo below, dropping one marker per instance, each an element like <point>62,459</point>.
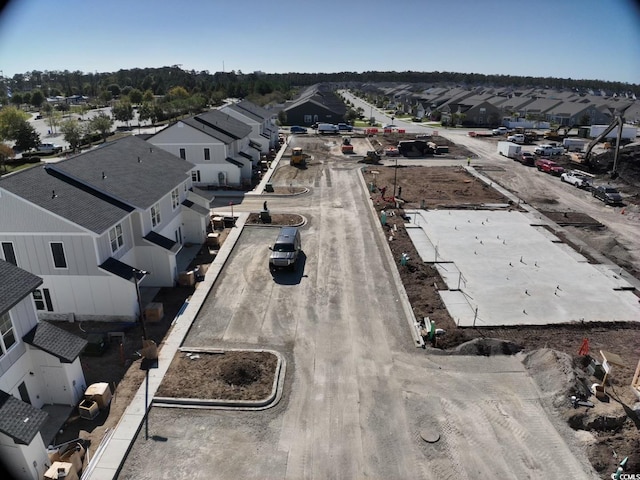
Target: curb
<point>268,225</point>
<point>404,298</point>
<point>217,404</point>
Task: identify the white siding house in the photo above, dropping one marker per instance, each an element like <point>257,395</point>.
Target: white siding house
<point>217,144</point>
<point>39,365</point>
<point>90,224</point>
<point>264,131</point>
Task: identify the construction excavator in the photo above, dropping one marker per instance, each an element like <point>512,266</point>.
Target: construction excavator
<point>555,134</point>
<point>618,121</point>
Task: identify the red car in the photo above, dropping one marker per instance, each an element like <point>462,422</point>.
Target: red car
<point>549,166</point>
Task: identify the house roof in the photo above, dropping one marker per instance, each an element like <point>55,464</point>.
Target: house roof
<point>135,172</point>
<point>221,125</point>
<point>250,110</point>
<point>19,420</point>
<point>196,208</point>
<point>234,162</point>
<point>55,341</point>
<point>118,268</point>
<point>322,96</point>
<point>99,188</point>
<point>15,284</point>
<point>163,241</point>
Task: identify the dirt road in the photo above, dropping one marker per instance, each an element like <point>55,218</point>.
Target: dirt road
<point>358,397</point>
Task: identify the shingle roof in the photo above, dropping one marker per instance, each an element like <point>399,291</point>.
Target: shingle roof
<point>224,124</point>
<point>196,208</point>
<point>250,110</point>
<point>19,420</point>
<point>99,188</point>
<point>55,341</point>
<point>322,96</point>
<point>15,284</point>
<point>135,172</point>
<point>234,162</point>
<point>118,268</point>
<point>163,241</point>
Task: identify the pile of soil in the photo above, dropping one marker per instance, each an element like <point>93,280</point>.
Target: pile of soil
<point>232,375</point>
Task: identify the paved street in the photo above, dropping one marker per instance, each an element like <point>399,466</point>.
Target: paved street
<point>358,394</point>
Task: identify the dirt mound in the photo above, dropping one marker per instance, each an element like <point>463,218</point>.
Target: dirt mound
<point>241,372</point>
<point>555,375</point>
<point>487,347</point>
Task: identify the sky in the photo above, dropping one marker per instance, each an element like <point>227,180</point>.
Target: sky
<point>578,39</point>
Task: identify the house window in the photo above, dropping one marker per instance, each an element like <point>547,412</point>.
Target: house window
<point>175,198</point>
<point>42,300</point>
<point>116,238</point>
<point>183,154</point>
<point>155,215</point>
<point>207,154</point>
<point>7,335</point>
<point>9,253</point>
<point>307,119</point>
<point>195,176</point>
<point>57,251</point>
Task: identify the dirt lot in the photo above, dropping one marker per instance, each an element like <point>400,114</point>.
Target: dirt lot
<point>452,187</point>
<point>433,187</point>
<point>232,375</point>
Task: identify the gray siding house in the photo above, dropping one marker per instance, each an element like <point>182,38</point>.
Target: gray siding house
<point>88,226</point>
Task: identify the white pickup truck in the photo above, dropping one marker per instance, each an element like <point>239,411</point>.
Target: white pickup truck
<point>548,150</point>
<point>49,148</point>
<point>577,178</point>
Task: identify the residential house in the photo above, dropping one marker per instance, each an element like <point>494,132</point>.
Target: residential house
<point>217,144</point>
<point>39,366</point>
<point>581,112</point>
<point>474,109</point>
<point>97,226</point>
<point>264,131</point>
<point>318,103</point>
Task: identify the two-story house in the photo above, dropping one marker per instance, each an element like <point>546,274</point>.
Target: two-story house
<point>264,131</point>
<point>97,226</point>
<point>216,144</point>
<point>39,366</point>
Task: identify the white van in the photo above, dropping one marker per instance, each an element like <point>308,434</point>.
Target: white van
<point>327,128</point>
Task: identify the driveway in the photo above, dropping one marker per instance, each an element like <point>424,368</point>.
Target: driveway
<point>358,396</point>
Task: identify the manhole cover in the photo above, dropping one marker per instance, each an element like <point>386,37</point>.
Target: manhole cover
<point>429,436</point>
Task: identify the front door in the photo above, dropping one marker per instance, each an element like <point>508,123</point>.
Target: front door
<point>24,394</point>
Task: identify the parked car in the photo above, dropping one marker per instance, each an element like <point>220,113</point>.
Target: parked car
<point>575,178</point>
<point>607,194</point>
<point>390,125</point>
<point>297,129</point>
<point>527,158</point>
<point>500,131</point>
<point>49,148</point>
<point>345,127</point>
<point>548,166</point>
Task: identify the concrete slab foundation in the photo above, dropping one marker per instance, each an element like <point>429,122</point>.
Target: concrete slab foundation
<point>513,271</point>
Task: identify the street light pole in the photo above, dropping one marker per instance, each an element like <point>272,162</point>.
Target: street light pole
<point>136,280</point>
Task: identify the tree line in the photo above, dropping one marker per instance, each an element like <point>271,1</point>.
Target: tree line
<point>261,87</point>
